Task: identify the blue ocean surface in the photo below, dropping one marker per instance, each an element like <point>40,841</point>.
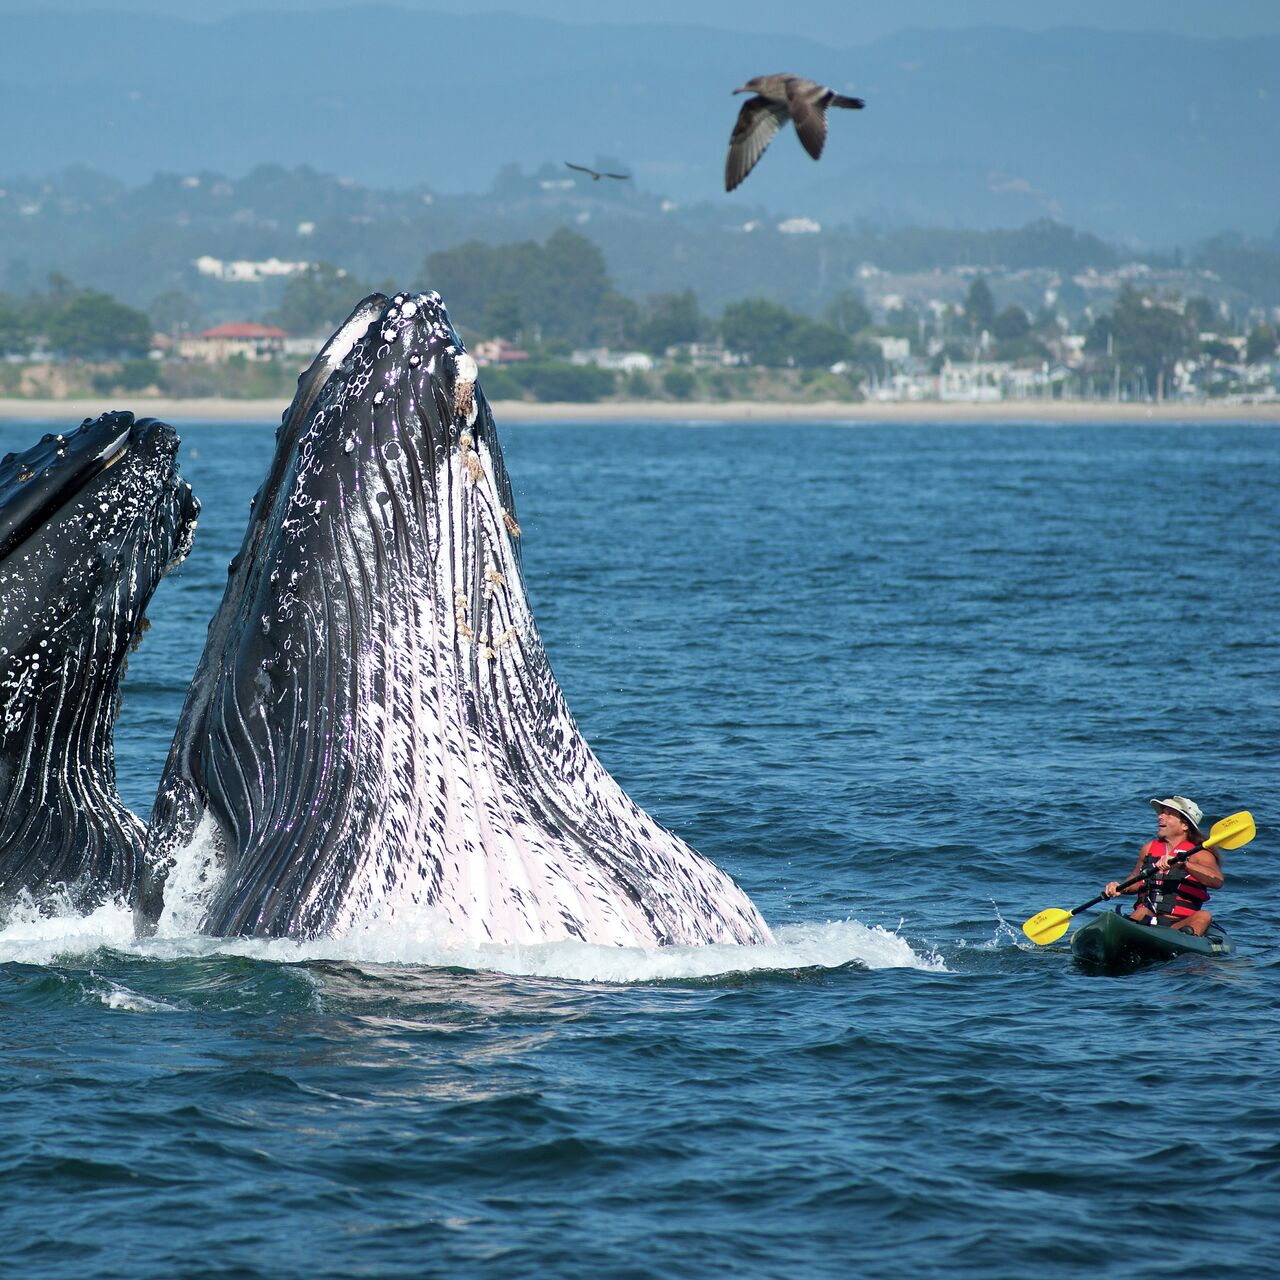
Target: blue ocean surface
<point>910,684</point>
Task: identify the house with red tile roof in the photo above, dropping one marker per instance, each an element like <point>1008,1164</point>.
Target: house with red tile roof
<point>248,339</point>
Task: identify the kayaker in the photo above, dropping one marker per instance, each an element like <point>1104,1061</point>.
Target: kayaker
<point>1178,886</point>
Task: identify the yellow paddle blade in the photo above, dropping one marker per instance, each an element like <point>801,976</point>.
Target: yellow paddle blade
<point>1047,926</point>
<point>1231,832</point>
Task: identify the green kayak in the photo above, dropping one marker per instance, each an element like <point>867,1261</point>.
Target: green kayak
<point>1113,941</point>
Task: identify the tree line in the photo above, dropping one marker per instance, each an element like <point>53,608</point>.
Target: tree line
<point>555,296</point>
<point>74,323</point>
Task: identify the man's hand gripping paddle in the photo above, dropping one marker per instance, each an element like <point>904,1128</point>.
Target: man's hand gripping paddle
<point>1230,833</point>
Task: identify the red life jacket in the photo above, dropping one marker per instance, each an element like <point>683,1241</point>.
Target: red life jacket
<point>1177,892</point>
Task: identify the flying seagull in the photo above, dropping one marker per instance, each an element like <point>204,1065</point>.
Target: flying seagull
<point>778,99</point>
<point>595,177</point>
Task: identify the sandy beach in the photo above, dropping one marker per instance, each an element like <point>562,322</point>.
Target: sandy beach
<point>72,412</point>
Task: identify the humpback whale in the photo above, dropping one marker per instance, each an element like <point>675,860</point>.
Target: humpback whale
<point>89,524</point>
<point>374,732</point>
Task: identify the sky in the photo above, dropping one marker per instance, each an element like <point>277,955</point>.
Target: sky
<point>835,22</point>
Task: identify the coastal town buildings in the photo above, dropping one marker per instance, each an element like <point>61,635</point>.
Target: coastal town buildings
<point>910,372</point>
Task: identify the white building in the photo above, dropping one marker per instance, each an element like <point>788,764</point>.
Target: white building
<point>705,355</point>
<point>893,349</point>
<point>980,381</point>
<point>623,361</point>
<point>243,271</point>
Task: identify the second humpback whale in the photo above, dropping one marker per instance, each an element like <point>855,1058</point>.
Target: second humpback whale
<point>374,731</point>
<point>89,523</point>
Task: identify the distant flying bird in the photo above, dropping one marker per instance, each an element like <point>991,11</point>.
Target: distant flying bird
<point>595,177</point>
<point>778,99</point>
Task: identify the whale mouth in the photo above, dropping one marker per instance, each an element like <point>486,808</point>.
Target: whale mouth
<point>111,456</point>
<point>36,483</point>
<point>90,522</point>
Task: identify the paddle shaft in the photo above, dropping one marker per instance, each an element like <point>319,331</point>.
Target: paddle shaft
<point>1138,879</point>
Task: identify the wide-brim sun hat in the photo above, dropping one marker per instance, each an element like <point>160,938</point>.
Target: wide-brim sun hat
<point>1188,809</point>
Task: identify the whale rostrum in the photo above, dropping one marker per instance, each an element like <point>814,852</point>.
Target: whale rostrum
<point>374,731</point>
<point>89,524</point>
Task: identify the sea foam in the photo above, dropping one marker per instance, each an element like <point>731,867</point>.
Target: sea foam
<point>29,937</point>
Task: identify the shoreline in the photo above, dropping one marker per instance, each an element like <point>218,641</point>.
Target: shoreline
<point>72,412</point>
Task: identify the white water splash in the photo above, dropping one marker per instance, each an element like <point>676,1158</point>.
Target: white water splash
<point>31,938</point>
<point>190,882</point>
<point>115,996</point>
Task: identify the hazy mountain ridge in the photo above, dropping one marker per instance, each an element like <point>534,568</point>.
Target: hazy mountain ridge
<point>1157,139</point>
<point>139,242</point>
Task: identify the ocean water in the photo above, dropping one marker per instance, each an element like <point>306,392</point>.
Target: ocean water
<point>910,684</point>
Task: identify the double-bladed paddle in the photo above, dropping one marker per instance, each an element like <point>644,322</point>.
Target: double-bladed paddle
<point>1230,833</point>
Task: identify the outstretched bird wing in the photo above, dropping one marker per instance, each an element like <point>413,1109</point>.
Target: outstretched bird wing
<point>582,168</point>
<point>757,122</point>
<point>808,103</point>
